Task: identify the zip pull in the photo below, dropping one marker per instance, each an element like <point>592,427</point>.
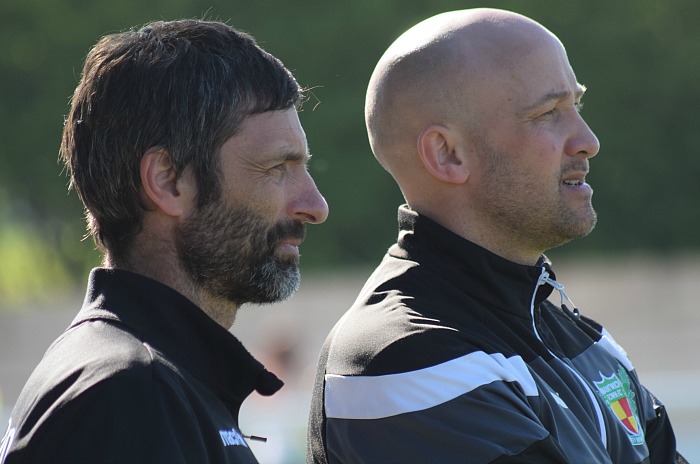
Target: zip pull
<point>255,438</point>
<point>575,314</point>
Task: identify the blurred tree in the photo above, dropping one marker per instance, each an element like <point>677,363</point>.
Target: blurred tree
<point>639,58</point>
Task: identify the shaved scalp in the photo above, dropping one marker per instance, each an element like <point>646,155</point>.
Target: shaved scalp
<point>434,74</point>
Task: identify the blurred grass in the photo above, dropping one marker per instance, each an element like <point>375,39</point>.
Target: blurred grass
<point>30,269</point>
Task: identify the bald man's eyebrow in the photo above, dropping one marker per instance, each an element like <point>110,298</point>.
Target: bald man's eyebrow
<point>553,97</point>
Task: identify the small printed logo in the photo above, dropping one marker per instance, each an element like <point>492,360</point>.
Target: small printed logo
<point>232,438</point>
<point>617,393</point>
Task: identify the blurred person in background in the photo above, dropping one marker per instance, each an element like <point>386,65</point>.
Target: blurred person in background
<point>184,144</point>
<point>452,352</point>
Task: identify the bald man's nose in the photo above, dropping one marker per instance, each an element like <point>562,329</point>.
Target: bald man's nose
<point>583,143</point>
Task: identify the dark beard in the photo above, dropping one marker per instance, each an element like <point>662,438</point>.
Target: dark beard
<point>229,252</point>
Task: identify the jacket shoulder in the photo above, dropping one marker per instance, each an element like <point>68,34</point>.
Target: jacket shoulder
<point>399,322</point>
<point>91,377</point>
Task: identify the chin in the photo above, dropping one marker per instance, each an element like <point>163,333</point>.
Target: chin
<point>583,230</point>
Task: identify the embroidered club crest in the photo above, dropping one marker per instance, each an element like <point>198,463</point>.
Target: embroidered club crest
<point>617,393</point>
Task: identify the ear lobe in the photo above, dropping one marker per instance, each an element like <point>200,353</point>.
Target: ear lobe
<point>442,156</point>
<point>161,187</point>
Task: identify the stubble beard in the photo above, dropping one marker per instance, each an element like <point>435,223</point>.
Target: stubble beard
<point>231,253</point>
<point>540,222</point>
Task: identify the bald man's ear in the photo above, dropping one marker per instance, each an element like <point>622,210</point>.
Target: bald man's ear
<point>442,156</point>
<point>162,189</point>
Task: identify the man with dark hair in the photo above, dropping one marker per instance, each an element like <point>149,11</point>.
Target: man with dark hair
<point>452,352</point>
<point>184,144</point>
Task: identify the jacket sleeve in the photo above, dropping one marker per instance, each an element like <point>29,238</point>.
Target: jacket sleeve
<point>660,437</point>
<point>121,419</point>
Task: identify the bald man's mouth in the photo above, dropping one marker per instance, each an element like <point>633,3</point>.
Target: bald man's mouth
<point>574,175</point>
<point>575,183</point>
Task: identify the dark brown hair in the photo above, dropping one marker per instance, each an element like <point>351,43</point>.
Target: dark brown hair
<point>184,86</point>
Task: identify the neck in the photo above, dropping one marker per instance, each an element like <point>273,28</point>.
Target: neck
<point>459,220</point>
<point>502,246</point>
<point>160,263</point>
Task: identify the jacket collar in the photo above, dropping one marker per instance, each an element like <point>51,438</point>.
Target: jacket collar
<point>176,327</point>
<point>495,280</point>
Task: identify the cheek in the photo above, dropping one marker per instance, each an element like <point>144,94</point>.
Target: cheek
<point>271,202</point>
<point>261,197</point>
<point>543,152</point>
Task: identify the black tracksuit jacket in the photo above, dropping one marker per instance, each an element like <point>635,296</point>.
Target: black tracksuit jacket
<point>452,354</point>
<point>141,376</point>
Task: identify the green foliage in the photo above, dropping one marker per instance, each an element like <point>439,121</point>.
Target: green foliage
<point>639,59</point>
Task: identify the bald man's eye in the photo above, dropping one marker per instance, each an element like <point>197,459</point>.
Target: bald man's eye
<point>549,113</point>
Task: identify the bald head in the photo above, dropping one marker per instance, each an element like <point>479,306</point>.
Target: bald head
<point>435,73</point>
<point>475,114</point>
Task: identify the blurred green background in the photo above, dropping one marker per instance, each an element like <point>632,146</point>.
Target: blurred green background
<point>639,58</point>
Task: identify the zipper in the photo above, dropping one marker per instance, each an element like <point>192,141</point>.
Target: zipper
<point>575,314</point>
<point>544,278</point>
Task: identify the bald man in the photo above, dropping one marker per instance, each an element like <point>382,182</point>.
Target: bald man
<point>452,352</point>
